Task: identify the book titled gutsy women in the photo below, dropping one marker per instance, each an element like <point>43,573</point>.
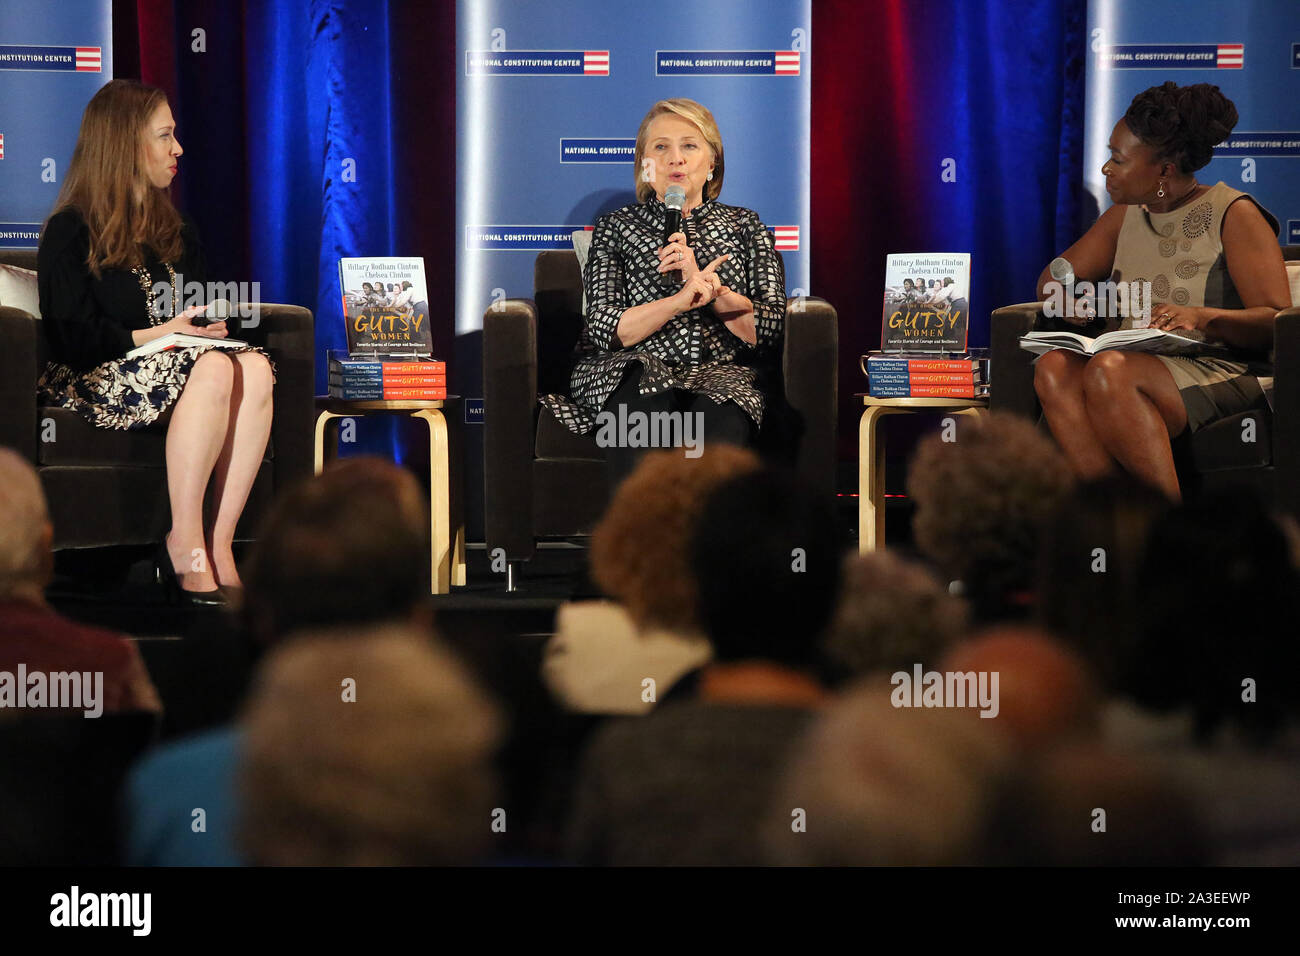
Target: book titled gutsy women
<point>923,341</point>
<point>390,342</point>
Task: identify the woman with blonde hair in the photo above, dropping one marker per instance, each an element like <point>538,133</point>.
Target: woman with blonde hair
<point>686,325</point>
<point>114,258</point>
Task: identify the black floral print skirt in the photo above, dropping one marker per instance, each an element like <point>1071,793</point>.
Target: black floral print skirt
<point>127,393</point>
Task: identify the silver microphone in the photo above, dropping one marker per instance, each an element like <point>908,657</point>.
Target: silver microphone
<point>218,310</point>
<point>1062,271</point>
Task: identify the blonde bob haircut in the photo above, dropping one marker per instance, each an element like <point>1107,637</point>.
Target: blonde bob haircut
<point>697,115</point>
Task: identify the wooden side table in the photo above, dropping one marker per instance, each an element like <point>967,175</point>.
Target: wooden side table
<point>447,557</point>
<point>871,455</point>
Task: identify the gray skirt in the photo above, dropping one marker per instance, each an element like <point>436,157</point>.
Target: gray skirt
<point>1215,388</point>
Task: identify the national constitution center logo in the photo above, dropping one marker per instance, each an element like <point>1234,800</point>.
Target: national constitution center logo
<point>1172,56</point>
<point>727,63</point>
<point>521,238</point>
<point>58,59</point>
<point>585,150</point>
<point>537,63</point>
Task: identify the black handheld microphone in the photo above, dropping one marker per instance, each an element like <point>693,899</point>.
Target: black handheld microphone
<point>674,199</point>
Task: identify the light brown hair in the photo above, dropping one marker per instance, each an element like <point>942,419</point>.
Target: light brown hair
<point>107,182</point>
<point>699,116</point>
<point>640,549</point>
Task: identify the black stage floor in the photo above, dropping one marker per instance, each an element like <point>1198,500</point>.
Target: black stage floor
<point>202,661</point>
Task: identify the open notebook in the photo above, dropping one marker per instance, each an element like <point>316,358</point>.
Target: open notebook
<point>1133,340</point>
<point>181,340</point>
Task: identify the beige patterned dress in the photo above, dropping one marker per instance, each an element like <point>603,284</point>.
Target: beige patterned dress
<point>1181,254</point>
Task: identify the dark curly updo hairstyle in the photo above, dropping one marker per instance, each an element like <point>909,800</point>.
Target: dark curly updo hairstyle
<point>1182,124</point>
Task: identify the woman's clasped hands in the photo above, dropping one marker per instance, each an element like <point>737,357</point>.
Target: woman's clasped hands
<point>699,286</point>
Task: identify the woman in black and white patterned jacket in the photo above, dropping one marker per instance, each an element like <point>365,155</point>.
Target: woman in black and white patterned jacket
<point>651,342</point>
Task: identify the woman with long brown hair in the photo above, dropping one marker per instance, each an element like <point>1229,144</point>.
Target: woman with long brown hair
<point>112,243</point>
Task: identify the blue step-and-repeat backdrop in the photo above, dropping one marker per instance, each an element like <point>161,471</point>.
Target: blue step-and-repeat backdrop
<point>53,59</point>
<point>550,98</point>
<point>1250,49</point>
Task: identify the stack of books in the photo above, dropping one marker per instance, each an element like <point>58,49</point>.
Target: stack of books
<point>903,376</point>
<point>355,378</point>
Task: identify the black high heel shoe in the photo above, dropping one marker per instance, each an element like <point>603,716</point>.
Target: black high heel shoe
<point>165,574</point>
<point>234,595</point>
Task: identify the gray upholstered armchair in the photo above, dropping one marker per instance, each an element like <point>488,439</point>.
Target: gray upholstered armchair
<point>541,480</point>
<point>109,487</point>
<point>1215,457</point>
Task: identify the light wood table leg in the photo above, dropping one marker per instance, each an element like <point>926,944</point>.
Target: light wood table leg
<point>322,420</point>
<point>447,564</point>
<point>458,557</point>
<point>871,469</point>
<point>871,478</point>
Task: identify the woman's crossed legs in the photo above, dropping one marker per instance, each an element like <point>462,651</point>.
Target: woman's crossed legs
<point>1114,408</point>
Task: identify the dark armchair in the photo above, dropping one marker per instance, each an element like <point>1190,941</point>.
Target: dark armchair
<point>109,487</point>
<point>1213,458</point>
<point>541,480</point>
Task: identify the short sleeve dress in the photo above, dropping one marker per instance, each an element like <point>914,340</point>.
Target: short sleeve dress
<point>693,351</point>
<point>1181,254</point>
<point>88,322</point>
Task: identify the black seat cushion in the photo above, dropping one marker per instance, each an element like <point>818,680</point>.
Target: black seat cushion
<point>74,441</point>
<point>569,496</point>
<point>68,439</point>
<point>1221,445</point>
<point>554,440</point>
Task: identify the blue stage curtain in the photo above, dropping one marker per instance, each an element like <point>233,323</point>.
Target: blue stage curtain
<point>898,87</point>
<point>297,150</point>
<point>289,89</point>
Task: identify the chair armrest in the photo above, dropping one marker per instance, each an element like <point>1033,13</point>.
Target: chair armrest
<point>1286,408</point>
<point>509,425</point>
<point>288,334</point>
<point>19,357</point>
<point>810,371</point>
<point>1011,369</point>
